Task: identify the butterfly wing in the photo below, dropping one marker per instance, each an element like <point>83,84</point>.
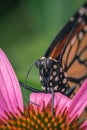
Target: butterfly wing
<point>56,47</point>
<point>75,55</point>
<point>75,59</point>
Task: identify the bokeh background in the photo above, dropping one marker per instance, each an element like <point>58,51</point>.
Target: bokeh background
<point>28,26</point>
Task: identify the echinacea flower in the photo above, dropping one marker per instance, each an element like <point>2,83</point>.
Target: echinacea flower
<point>67,110</point>
<point>37,116</point>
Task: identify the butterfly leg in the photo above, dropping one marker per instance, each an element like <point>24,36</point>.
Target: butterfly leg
<point>52,91</point>
<point>70,91</point>
<point>29,88</point>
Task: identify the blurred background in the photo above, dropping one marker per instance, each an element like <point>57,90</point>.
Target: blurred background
<point>28,26</point>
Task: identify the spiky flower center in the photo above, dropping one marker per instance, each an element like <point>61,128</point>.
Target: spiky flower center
<point>36,119</point>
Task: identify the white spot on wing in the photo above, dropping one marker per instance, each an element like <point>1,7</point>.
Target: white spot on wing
<point>56,78</point>
<point>85,28</point>
<point>43,88</point>
<point>65,74</point>
<point>82,10</point>
<point>73,41</point>
<point>56,87</point>
<point>80,35</point>
<point>43,58</point>
<point>55,66</point>
<point>51,77</point>
<point>64,81</point>
<point>51,84</point>
<point>63,90</point>
<point>61,69</point>
<point>79,20</point>
<point>54,73</point>
<point>40,78</point>
<point>61,76</point>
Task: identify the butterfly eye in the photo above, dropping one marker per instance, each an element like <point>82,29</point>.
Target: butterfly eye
<point>49,63</point>
<point>37,63</point>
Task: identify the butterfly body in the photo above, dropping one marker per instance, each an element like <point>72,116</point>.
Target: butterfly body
<point>52,75</point>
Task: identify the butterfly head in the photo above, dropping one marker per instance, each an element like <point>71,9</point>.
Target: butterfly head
<point>48,70</point>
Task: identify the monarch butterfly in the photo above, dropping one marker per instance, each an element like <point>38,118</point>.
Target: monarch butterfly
<point>64,65</point>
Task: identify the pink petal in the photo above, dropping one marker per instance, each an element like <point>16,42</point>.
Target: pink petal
<point>63,102</point>
<point>37,101</point>
<point>10,93</point>
<point>59,100</point>
<point>84,125</point>
<point>39,98</point>
<point>79,102</point>
<point>47,98</point>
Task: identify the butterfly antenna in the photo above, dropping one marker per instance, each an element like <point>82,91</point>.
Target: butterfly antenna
<point>24,84</point>
<point>28,87</point>
<point>27,75</point>
<point>67,41</point>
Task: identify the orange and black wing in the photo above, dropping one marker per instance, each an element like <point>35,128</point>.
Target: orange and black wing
<point>74,59</point>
